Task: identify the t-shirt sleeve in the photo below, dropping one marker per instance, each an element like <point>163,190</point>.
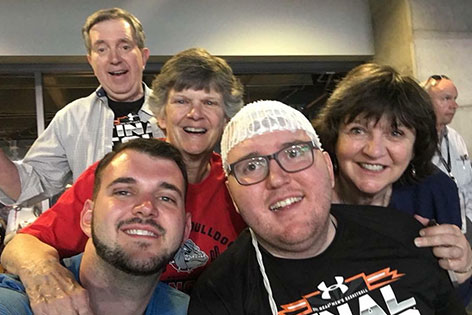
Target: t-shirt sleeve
<point>59,226</point>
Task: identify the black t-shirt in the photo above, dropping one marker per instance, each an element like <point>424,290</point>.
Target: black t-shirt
<point>127,124</point>
<point>371,267</point>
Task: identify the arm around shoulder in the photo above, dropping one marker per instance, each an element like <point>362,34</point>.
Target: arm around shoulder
<point>49,285</point>
<point>25,252</point>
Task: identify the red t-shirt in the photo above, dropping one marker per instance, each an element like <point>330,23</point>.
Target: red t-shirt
<point>215,223</point>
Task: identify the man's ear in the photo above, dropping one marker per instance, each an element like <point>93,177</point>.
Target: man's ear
<point>161,121</point>
<point>329,165</point>
<point>86,217</point>
<point>145,53</point>
<point>234,203</point>
<point>188,226</point>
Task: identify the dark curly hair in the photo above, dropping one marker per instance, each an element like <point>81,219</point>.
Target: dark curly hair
<point>373,90</point>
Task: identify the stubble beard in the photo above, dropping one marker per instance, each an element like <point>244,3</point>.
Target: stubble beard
<point>118,257</point>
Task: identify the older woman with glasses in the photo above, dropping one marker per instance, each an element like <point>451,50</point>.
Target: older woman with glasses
<point>379,128</point>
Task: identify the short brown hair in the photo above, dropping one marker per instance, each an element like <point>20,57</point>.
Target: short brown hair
<point>152,147</point>
<point>113,14</point>
<point>196,68</point>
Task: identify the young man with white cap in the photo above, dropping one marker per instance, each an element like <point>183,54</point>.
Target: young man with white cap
<point>302,255</point>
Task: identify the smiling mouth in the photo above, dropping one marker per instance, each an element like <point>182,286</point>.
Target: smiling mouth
<point>195,130</point>
<point>284,203</point>
<point>139,232</point>
<point>118,73</point>
<point>372,167</point>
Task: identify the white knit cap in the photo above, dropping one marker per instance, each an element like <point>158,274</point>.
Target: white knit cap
<point>262,117</point>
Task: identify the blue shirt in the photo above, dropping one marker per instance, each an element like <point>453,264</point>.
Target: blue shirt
<point>434,197</point>
<point>13,299</point>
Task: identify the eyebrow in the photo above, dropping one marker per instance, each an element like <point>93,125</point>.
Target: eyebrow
<point>283,146</point>
<point>171,187</point>
<point>131,180</point>
<point>121,40</point>
<point>122,180</point>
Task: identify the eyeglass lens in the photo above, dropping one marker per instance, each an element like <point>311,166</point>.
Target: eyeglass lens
<point>291,159</point>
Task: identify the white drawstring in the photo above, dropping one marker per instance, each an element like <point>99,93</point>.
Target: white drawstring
<point>272,304</point>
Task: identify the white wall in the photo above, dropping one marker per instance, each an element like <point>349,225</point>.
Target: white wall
<point>224,27</point>
<point>442,32</point>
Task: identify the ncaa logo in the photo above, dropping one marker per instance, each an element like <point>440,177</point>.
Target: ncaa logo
<point>326,290</point>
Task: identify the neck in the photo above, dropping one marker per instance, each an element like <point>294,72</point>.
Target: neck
<point>198,167</point>
<point>112,291</point>
<point>441,129</point>
<point>346,193</point>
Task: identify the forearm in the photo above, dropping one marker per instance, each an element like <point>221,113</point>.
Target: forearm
<point>10,180</point>
<point>51,288</point>
<point>25,252</point>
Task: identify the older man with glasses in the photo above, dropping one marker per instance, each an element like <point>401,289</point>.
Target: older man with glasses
<point>452,156</point>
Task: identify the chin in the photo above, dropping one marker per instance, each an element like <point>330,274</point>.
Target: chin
<point>372,190</point>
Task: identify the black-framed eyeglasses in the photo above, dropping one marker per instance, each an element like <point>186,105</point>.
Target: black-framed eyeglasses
<point>291,159</point>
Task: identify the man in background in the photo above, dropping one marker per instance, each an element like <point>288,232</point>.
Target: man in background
<point>86,129</point>
<point>452,156</point>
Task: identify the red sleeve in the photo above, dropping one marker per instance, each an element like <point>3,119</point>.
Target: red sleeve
<point>59,226</point>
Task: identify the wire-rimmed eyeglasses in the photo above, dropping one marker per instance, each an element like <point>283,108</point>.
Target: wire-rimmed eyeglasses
<point>291,159</point>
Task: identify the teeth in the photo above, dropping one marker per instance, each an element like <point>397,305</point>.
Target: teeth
<point>284,203</point>
<point>196,130</point>
<point>372,167</point>
<point>140,232</point>
<point>118,72</point>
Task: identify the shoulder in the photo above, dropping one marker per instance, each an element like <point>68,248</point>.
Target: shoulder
<point>436,180</point>
<point>236,257</point>
<point>216,172</point>
<point>216,161</point>
<point>379,221</point>
<point>228,281</point>
<point>80,103</point>
<point>454,135</point>
<point>167,300</point>
<point>89,173</point>
<point>147,91</point>
<point>13,298</point>
<point>452,132</point>
<point>77,108</point>
<point>73,264</point>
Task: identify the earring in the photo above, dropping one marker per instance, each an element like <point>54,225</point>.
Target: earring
<point>335,165</point>
<point>413,170</point>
